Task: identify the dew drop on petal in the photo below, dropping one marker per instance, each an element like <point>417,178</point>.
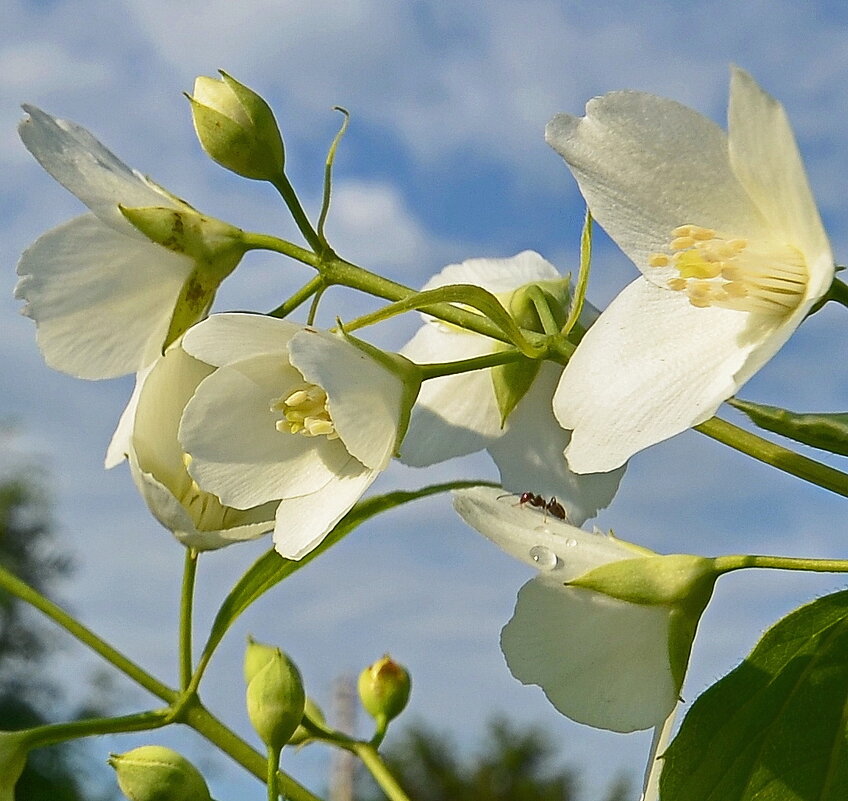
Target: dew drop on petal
<point>544,557</point>
<point>570,543</point>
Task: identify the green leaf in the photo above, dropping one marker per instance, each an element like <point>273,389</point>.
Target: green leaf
<point>829,432</point>
<point>511,382</point>
<point>271,568</point>
<point>775,728</point>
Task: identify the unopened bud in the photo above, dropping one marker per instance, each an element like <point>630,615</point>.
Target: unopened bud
<point>384,689</point>
<point>275,697</point>
<point>236,127</point>
<point>256,656</point>
<point>156,773</point>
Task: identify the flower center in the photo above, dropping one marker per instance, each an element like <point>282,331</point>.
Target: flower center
<point>305,412</point>
<point>715,270</point>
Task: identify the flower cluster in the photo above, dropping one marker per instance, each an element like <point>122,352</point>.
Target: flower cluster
<point>242,424</point>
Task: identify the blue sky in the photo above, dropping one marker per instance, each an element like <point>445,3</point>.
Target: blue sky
<point>444,160</point>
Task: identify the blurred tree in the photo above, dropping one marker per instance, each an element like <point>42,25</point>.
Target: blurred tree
<point>27,696</point>
<point>513,765</point>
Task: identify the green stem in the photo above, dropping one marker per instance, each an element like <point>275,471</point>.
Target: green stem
<point>271,773</point>
<point>21,590</point>
<point>378,769</point>
<point>286,190</point>
<point>436,370</point>
<point>53,733</point>
<point>206,724</point>
<point>312,287</point>
<point>186,604</point>
<point>725,564</point>
<point>540,304</point>
<point>782,458</point>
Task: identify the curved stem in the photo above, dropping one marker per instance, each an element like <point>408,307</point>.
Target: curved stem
<point>53,733</point>
<point>312,287</point>
<point>822,475</point>
<point>379,770</point>
<point>286,190</point>
<point>271,773</point>
<point>726,564</point>
<point>21,590</point>
<point>436,370</point>
<point>186,606</point>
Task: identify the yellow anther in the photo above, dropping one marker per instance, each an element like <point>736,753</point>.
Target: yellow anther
<point>658,260</point>
<point>305,412</point>
<point>682,242</point>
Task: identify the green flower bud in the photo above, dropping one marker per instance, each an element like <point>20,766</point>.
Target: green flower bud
<point>236,127</point>
<point>156,773</point>
<point>384,689</point>
<point>275,698</point>
<point>556,295</point>
<point>256,656</point>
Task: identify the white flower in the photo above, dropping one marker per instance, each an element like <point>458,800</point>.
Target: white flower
<point>147,437</point>
<point>458,414</point>
<point>292,415</point>
<point>105,298</point>
<point>603,661</point>
<point>732,250</point>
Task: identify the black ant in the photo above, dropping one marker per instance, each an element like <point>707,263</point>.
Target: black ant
<point>552,507</point>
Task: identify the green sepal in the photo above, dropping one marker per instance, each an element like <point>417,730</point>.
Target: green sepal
<point>826,431</point>
<point>531,304</point>
<point>775,727</point>
<point>512,381</point>
<point>157,773</point>
<point>276,700</point>
<point>407,371</point>
<point>673,580</point>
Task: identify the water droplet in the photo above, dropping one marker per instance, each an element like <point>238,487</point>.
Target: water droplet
<point>544,557</point>
<point>570,543</point>
<point>542,529</point>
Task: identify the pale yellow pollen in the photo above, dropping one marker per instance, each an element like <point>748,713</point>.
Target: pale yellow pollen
<point>717,270</point>
<point>305,412</point>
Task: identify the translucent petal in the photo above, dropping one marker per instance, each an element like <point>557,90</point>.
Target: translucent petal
<point>304,521</point>
<point>600,661</point>
<point>652,366</point>
<point>87,169</point>
<point>363,397</point>
<point>765,157</point>
<point>520,531</point>
<point>102,302</point>
<point>647,165</point>
<point>497,275</point>
<point>529,455</point>
<point>454,415</point>
<point>237,453</point>
<point>225,338</point>
<point>121,442</point>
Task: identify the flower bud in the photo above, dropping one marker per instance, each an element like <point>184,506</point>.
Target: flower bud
<point>275,698</point>
<point>156,773</point>
<point>384,689</point>
<point>256,656</point>
<point>236,127</point>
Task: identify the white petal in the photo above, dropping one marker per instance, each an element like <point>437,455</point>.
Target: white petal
<point>600,661</point>
<point>765,157</point>
<point>166,391</point>
<point>363,397</point>
<point>521,532</point>
<point>102,301</point>
<point>225,338</point>
<point>529,455</point>
<point>120,444</point>
<point>497,275</point>
<point>453,415</point>
<point>87,169</point>
<point>304,521</point>
<point>652,366</point>
<point>647,165</point>
<point>174,517</point>
<point>237,453</point>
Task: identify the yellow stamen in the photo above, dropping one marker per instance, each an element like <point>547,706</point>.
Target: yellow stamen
<point>304,411</point>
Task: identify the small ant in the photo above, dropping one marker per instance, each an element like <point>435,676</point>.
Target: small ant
<point>552,507</point>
